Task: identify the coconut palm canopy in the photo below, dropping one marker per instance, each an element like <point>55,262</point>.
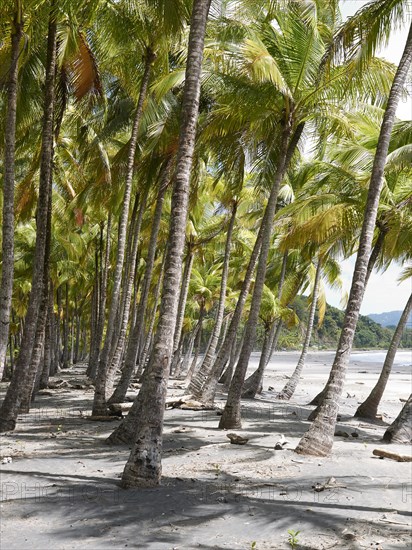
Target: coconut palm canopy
<point>175,174</point>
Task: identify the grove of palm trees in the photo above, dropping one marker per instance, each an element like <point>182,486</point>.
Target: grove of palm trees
<point>183,185</point>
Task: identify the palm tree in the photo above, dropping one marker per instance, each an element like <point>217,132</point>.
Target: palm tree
<point>11,404</point>
<point>7,270</point>
<point>400,431</point>
<point>319,438</point>
<point>152,396</point>
<point>369,407</point>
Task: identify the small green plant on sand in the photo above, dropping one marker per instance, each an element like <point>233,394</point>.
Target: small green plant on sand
<point>293,538</point>
<point>253,545</point>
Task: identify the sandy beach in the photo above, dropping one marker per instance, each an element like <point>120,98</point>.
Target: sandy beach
<point>61,489</point>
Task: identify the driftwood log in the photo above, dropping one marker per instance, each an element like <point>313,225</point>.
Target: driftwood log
<point>394,456</point>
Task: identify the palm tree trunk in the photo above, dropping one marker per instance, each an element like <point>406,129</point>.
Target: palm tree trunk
<point>144,465</point>
<point>210,384</point>
<point>204,371</point>
<point>198,343</point>
<point>101,309</point>
<point>400,431</point>
<point>66,329</point>
<point>48,344</point>
<point>137,336</point>
<point>118,353</point>
<point>11,404</point>
<point>319,438</point>
<point>292,383</point>
<point>7,270</point>
<point>182,299</point>
<point>99,402</point>
<point>254,384</point>
<point>369,407</point>
<point>231,414</point>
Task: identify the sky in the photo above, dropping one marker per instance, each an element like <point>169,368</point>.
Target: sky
<point>383,292</point>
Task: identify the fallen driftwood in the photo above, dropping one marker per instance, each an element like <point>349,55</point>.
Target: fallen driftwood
<point>394,456</point>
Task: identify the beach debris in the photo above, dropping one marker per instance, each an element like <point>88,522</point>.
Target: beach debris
<point>182,430</point>
<point>331,483</point>
<point>281,443</point>
<point>271,388</point>
<point>7,460</point>
<point>236,439</point>
<point>340,433</point>
<point>349,536</point>
<point>56,384</point>
<point>348,395</point>
<point>354,434</point>
<point>381,453</point>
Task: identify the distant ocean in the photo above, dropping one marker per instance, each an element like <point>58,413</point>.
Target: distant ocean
<point>402,358</point>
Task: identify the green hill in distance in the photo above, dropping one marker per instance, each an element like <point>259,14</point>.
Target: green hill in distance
<point>369,334</point>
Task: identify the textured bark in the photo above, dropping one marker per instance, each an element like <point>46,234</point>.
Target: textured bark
<point>137,331</point>
<point>231,417</point>
<point>210,384</point>
<point>48,344</point>
<point>137,336</point>
<point>101,309</point>
<point>369,407</point>
<point>400,431</point>
<point>144,465</point>
<point>7,266</point>
<point>149,336</point>
<point>11,404</point>
<point>183,298</point>
<point>318,440</point>
<point>99,401</point>
<point>118,352</point>
<point>198,381</point>
<point>291,385</point>
<point>66,358</point>
<point>254,384</point>
<point>198,342</point>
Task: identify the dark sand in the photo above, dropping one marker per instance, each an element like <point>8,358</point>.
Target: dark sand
<point>61,490</point>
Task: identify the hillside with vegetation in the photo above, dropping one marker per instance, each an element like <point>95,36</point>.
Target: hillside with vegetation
<point>368,335</point>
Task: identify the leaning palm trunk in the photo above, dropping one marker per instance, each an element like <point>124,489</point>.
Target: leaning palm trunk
<point>99,402</point>
<point>101,309</point>
<point>137,332</point>
<point>182,306</point>
<point>198,342</point>
<point>131,272</point>
<point>208,391</point>
<point>11,404</point>
<point>400,431</point>
<point>231,413</point>
<point>150,261</point>
<point>317,400</point>
<point>318,440</point>
<point>144,465</point>
<point>369,407</point>
<point>149,336</point>
<point>196,385</point>
<point>254,384</point>
<point>292,383</point>
<point>7,270</point>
